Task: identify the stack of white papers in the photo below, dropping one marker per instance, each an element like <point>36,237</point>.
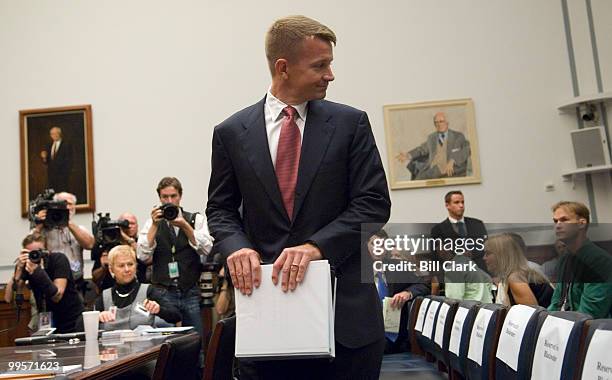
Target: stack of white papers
<point>391,316</point>
<point>271,324</point>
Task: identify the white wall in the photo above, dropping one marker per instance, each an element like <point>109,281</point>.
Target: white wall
<point>160,75</point>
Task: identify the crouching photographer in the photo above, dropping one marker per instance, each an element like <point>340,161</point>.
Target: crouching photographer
<point>49,276</point>
<point>53,219</point>
<point>109,234</point>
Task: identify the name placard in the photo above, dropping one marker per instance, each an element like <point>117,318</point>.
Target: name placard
<point>512,333</point>
<point>457,329</point>
<point>439,337</point>
<point>429,319</point>
<point>477,337</point>
<point>550,348</point>
<point>598,361</point>
<point>421,316</point>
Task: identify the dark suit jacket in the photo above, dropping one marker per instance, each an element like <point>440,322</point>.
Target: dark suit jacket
<point>341,184</point>
<point>475,229</point>
<point>60,167</point>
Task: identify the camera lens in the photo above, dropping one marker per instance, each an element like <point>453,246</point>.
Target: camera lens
<point>35,256</point>
<point>169,211</point>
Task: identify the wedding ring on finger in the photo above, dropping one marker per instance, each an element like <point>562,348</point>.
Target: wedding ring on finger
<point>294,267</point>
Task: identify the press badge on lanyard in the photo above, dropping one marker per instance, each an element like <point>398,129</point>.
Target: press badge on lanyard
<point>173,270</point>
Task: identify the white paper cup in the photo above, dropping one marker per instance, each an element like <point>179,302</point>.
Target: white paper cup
<point>90,321</point>
<point>92,354</point>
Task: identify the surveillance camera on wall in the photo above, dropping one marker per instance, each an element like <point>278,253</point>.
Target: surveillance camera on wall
<point>588,112</point>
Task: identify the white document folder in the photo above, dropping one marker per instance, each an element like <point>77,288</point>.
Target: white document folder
<point>271,324</point>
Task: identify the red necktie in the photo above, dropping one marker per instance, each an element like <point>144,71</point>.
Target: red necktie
<point>288,159</point>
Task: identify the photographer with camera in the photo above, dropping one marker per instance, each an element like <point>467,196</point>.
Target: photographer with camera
<point>50,278</point>
<point>109,234</point>
<point>174,239</point>
<point>63,235</point>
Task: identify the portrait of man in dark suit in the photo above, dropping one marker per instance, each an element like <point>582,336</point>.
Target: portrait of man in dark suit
<point>293,179</point>
<point>57,153</point>
<point>58,157</point>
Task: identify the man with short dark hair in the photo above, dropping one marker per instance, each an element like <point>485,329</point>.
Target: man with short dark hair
<point>294,179</point>
<point>466,285</point>
<point>51,281</point>
<point>585,271</point>
<point>175,248</point>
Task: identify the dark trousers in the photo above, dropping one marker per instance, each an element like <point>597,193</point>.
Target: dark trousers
<point>349,363</point>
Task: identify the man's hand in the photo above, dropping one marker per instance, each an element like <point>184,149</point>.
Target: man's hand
<point>151,306</point>
<point>22,259</point>
<point>245,269</point>
<point>180,222</point>
<point>293,262</point>
<point>403,157</point>
<point>400,299</point>
<point>157,215</point>
<point>449,169</point>
<point>30,266</point>
<point>43,155</point>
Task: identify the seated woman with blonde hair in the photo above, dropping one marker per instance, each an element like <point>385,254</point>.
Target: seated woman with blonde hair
<point>128,303</point>
<point>518,283</point>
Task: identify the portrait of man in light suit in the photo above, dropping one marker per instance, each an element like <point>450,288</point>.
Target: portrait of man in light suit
<point>445,153</point>
<point>293,179</point>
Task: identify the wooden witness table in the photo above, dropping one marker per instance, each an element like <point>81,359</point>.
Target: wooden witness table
<point>98,361</point>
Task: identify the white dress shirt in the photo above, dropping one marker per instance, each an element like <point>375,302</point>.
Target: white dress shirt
<point>202,236</point>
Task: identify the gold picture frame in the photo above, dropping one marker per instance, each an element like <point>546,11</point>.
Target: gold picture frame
<point>420,154</point>
<point>65,166</point>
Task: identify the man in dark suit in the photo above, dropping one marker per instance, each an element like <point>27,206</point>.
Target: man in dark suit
<point>58,158</point>
<point>293,179</point>
<point>446,152</point>
<point>457,226</point>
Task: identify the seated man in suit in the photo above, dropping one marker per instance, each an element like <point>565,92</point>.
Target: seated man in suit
<point>447,152</point>
<point>402,287</point>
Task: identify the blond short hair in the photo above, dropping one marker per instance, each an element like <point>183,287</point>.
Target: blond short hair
<point>579,209</point>
<point>286,35</point>
<point>120,250</point>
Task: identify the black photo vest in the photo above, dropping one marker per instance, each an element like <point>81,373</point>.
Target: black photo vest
<point>187,257</point>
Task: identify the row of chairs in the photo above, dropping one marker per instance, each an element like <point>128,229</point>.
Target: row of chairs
<point>470,340</point>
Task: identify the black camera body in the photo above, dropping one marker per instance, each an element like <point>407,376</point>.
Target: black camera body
<point>37,255</point>
<point>169,211</point>
<point>57,211</point>
<point>108,232</point>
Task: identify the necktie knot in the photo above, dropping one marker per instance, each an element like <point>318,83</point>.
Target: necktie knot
<point>289,111</point>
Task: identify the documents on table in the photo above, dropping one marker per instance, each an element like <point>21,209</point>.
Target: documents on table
<point>272,324</point>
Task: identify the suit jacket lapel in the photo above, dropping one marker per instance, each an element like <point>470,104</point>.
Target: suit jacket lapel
<point>448,228</point>
<point>255,145</point>
<point>317,135</point>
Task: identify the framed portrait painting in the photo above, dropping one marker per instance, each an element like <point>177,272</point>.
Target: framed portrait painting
<point>432,144</point>
<point>57,153</point>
